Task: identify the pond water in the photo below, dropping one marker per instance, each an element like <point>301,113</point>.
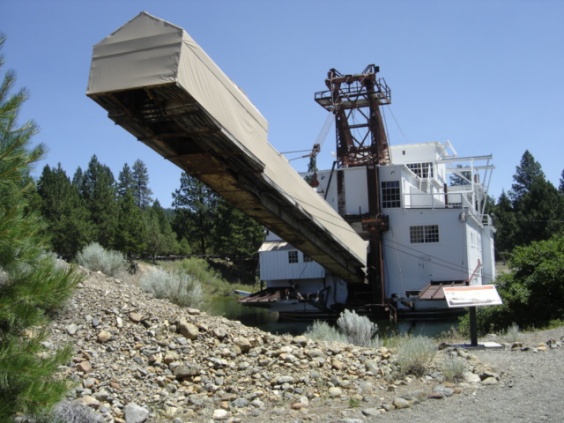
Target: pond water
<point>269,322</point>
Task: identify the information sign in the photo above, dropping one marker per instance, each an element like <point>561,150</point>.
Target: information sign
<point>471,296</point>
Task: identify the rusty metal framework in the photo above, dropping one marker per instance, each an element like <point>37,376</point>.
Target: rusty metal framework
<point>355,101</point>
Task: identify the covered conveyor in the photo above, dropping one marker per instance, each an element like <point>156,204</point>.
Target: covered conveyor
<point>157,83</point>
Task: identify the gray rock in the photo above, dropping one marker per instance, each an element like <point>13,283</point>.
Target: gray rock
<point>400,403</point>
<point>188,330</point>
<point>186,370</point>
<point>71,329</point>
<point>135,413</point>
<point>370,412</point>
<point>240,403</point>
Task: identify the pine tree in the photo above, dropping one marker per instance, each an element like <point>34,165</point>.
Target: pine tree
<point>77,178</point>
<point>528,171</point>
<point>161,239</point>
<point>125,181</point>
<point>505,222</point>
<point>98,192</point>
<point>235,234</point>
<point>539,213</point>
<point>195,212</point>
<point>141,191</point>
<point>32,287</point>
<point>131,232</point>
<point>67,218</point>
<point>561,186</point>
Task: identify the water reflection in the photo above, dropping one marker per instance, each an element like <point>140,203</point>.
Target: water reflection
<point>269,321</point>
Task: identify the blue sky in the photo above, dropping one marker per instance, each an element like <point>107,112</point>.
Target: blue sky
<point>486,75</point>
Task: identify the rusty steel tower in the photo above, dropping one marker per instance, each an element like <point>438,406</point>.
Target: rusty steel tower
<point>355,101</point>
<point>361,140</point>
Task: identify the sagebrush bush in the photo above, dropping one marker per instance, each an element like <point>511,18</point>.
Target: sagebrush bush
<point>178,287</point>
<point>94,257</point>
<point>70,412</point>
<point>351,329</point>
<point>453,368</point>
<point>359,330</point>
<point>415,354</point>
<point>323,331</point>
<point>513,333</point>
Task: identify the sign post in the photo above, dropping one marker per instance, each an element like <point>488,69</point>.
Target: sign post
<point>472,296</point>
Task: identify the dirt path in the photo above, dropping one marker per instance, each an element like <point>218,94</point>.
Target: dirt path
<point>531,390</point>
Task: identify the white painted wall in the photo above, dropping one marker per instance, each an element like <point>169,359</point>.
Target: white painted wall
<point>410,267</point>
<point>274,266</point>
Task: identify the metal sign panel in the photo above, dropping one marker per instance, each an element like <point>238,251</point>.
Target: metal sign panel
<point>471,296</point>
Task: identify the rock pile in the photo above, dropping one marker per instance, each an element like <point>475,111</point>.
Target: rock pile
<point>137,359</point>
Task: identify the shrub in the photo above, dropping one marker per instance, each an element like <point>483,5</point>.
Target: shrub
<point>453,368</point>
<point>512,333</point>
<point>67,412</point>
<point>351,329</point>
<point>178,287</point>
<point>323,331</point>
<point>415,354</point>
<point>359,330</point>
<point>94,257</point>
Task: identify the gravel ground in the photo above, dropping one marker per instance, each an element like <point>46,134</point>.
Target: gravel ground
<point>531,390</point>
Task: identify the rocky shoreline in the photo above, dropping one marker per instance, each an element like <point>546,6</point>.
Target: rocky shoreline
<point>137,359</point>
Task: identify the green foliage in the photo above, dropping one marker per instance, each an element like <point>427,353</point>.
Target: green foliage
<point>141,191</point>
<point>125,181</point>
<point>67,219</point>
<point>95,258</point>
<point>526,174</point>
<point>532,211</point>
<point>211,224</point>
<point>195,208</point>
<point>131,230</point>
<point>415,354</point>
<point>531,292</point>
<point>178,287</point>
<point>98,193</point>
<point>32,286</point>
<point>159,237</point>
<point>235,234</point>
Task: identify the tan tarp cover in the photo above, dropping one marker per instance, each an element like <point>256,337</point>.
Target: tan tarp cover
<point>148,51</point>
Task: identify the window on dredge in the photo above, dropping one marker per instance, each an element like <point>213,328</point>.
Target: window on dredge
<point>292,256</point>
<point>424,234</point>
<point>423,170</point>
<point>391,194</point>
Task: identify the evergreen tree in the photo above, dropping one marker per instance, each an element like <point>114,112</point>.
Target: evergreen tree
<point>561,186</point>
<point>77,178</point>
<point>141,191</point>
<point>67,218</point>
<point>235,234</point>
<point>98,192</point>
<point>131,232</point>
<point>528,171</point>
<point>539,213</point>
<point>31,285</point>
<point>195,208</point>
<point>161,239</point>
<point>505,222</point>
<point>125,181</point>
